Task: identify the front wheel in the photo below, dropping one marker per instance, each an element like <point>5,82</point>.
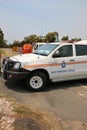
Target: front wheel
<point>37,81</point>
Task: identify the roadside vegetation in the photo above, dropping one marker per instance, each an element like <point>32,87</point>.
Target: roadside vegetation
<point>49,37</point>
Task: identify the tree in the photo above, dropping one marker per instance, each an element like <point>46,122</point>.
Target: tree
<point>1,38</point>
<point>16,43</point>
<point>76,39</point>
<point>51,37</point>
<point>56,34</point>
<point>2,41</point>
<point>31,39</point>
<point>64,38</point>
<point>41,39</point>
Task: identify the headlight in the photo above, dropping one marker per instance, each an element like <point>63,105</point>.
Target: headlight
<point>17,65</point>
<point>11,65</point>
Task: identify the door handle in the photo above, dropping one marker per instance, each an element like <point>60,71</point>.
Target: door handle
<point>72,60</point>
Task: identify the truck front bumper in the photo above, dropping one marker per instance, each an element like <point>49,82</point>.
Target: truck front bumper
<point>13,70</point>
<point>15,75</point>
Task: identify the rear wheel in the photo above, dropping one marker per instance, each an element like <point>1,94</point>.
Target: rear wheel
<point>37,81</point>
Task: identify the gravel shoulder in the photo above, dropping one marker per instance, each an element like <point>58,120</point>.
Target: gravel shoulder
<point>15,116</point>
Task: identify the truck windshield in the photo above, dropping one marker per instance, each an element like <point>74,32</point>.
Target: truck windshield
<point>45,49</point>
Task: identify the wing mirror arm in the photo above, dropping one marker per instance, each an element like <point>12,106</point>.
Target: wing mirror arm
<point>56,55</point>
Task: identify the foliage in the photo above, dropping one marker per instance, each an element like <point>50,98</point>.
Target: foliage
<point>65,38</point>
<point>51,37</point>
<point>2,41</point>
<point>31,39</point>
<point>16,43</point>
<point>76,39</point>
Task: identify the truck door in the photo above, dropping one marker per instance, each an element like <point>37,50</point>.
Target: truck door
<point>63,63</point>
<point>81,60</point>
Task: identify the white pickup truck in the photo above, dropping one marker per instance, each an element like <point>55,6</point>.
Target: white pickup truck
<point>52,61</point>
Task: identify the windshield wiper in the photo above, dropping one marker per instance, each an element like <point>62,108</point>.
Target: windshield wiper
<point>35,53</point>
<point>39,53</point>
<point>43,54</point>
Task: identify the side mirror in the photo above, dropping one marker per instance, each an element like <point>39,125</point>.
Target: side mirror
<point>56,54</point>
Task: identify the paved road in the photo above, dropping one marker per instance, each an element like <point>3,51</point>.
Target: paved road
<point>68,99</point>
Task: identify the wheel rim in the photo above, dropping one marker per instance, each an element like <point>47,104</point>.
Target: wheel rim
<point>36,82</point>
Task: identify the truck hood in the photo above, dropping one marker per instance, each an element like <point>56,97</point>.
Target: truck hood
<point>26,57</point>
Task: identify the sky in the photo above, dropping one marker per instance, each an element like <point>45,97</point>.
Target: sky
<point>22,18</point>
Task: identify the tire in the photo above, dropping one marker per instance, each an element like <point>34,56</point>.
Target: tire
<point>37,81</point>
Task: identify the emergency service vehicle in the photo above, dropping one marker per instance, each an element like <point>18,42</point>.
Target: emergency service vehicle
<point>51,62</point>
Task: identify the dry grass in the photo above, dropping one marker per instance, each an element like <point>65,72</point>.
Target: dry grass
<point>7,52</point>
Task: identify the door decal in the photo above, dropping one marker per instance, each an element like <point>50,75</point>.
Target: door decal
<point>63,65</point>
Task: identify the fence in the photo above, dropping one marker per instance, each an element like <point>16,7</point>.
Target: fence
<point>17,49</point>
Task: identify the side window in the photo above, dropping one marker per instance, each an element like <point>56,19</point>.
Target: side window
<point>81,50</point>
<point>66,51</point>
<point>35,46</point>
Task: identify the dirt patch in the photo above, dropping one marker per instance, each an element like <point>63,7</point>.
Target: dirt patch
<point>26,123</point>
